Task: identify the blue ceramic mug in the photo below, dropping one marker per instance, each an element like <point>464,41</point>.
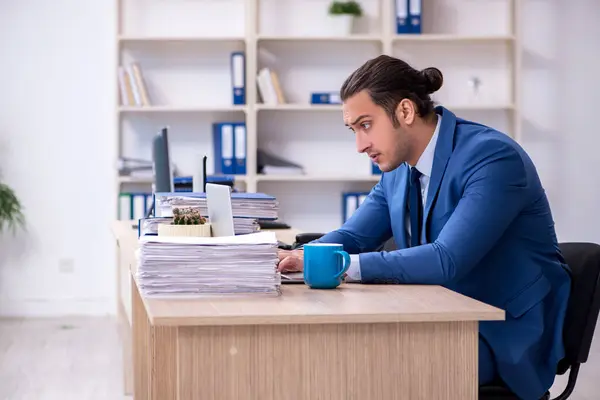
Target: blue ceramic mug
<point>324,265</point>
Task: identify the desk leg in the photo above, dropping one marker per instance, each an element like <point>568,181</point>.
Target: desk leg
<point>122,318</point>
<point>416,361</point>
<point>154,355</point>
<point>126,343</point>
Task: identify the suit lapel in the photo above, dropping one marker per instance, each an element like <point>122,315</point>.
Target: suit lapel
<point>443,150</point>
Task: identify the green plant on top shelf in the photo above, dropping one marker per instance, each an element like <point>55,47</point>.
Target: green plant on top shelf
<point>11,210</point>
<point>187,216</point>
<point>345,8</point>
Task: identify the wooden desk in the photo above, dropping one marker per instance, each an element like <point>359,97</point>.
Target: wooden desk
<point>356,342</point>
<point>127,243</point>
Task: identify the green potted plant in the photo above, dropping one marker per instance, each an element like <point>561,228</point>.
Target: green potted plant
<point>11,210</point>
<point>186,222</point>
<point>342,15</point>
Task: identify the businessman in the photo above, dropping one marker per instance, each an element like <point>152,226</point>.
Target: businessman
<point>466,209</point>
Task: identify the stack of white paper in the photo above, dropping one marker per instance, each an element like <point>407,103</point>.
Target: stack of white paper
<point>241,226</point>
<point>243,205</point>
<point>201,266</point>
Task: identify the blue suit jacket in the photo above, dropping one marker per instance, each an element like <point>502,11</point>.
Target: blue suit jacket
<point>490,236</point>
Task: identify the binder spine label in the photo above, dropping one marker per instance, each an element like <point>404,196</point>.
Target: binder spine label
<point>415,16</point>
<point>240,149</point>
<point>223,148</point>
<point>402,23</point>
<point>227,148</point>
<point>238,77</point>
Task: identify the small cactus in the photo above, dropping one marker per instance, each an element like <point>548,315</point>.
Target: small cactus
<point>187,216</point>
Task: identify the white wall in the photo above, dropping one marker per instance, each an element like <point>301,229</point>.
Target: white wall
<point>560,94</point>
<point>57,143</point>
<point>57,151</point>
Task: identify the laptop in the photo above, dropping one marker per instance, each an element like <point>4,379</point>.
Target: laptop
<point>220,212</point>
<point>292,277</point>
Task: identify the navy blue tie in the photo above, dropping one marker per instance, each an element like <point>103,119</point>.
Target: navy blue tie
<point>415,207</point>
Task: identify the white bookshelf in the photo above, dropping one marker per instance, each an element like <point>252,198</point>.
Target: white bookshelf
<point>184,48</point>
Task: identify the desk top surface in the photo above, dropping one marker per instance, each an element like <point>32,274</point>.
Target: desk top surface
<point>349,303</point>
<point>124,230</point>
<point>298,304</point>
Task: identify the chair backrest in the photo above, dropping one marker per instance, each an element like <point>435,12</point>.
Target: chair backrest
<point>584,303</point>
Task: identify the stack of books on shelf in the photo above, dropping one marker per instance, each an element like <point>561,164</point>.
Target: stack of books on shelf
<point>132,86</point>
<point>269,87</point>
<point>170,266</point>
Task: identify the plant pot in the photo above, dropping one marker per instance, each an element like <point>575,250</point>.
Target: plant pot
<point>341,24</point>
<point>203,230</point>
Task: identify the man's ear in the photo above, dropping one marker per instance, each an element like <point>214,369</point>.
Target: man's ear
<point>406,112</point>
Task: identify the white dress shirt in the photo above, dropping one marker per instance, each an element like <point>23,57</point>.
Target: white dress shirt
<point>424,165</point>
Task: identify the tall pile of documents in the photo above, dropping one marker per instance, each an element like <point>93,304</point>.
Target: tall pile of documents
<point>208,266</point>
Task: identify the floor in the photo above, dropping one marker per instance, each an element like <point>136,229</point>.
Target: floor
<point>60,359</point>
<point>64,359</point>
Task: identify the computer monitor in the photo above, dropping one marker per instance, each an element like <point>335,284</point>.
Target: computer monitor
<point>161,166</point>
<point>161,163</point>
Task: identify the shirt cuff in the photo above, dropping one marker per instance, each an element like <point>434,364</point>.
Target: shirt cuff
<point>353,273</point>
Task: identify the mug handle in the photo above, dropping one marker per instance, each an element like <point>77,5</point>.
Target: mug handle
<point>345,262</point>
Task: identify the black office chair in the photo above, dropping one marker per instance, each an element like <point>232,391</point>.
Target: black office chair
<point>581,318</point>
<point>303,238</point>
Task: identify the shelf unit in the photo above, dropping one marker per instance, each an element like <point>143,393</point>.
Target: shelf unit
<point>251,40</point>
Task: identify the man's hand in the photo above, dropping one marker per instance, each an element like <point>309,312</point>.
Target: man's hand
<point>291,260</point>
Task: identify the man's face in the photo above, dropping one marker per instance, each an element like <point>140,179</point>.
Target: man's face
<point>375,134</point>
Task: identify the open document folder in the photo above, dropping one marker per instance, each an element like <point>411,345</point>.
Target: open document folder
<point>198,266</point>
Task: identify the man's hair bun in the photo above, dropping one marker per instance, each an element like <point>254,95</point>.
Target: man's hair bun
<point>433,79</point>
